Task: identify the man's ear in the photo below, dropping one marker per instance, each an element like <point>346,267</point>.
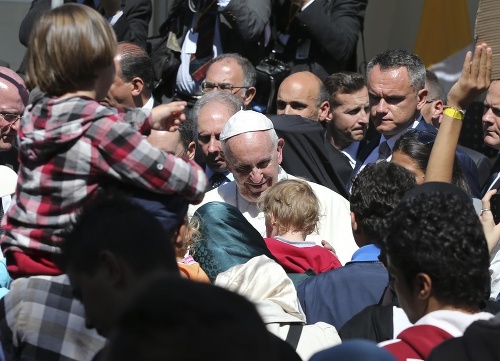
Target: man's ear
<point>249,95</point>
<point>423,286</point>
<point>422,98</point>
<point>324,111</point>
<point>354,223</point>
<point>138,85</point>
<point>281,144</point>
<point>437,108</point>
<point>191,150</point>
<point>112,269</point>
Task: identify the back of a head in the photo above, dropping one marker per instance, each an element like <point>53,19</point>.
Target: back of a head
<point>434,86</point>
<point>69,46</point>
<point>396,58</point>
<point>135,62</point>
<point>292,205</point>
<point>169,316</point>
<point>125,229</point>
<point>435,230</point>
<point>343,83</point>
<point>376,191</point>
<point>417,145</point>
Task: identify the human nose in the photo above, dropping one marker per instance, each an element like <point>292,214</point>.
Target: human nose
<point>488,117</point>
<point>12,125</point>
<point>381,106</point>
<point>213,145</point>
<point>256,175</point>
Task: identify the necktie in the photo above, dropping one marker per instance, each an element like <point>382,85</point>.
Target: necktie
<point>384,151</point>
<point>205,27</point>
<point>217,179</point>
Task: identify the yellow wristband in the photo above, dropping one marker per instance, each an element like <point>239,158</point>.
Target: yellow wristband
<point>454,113</point>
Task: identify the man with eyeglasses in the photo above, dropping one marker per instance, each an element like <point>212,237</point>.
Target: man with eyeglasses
<point>14,97</point>
<point>231,73</point>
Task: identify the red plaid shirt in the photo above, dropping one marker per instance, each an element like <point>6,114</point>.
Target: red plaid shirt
<point>68,147</point>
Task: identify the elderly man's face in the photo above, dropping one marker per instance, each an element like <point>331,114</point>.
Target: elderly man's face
<point>491,116</point>
<point>11,104</point>
<point>393,101</point>
<point>254,162</point>
<point>228,71</point>
<point>211,119</point>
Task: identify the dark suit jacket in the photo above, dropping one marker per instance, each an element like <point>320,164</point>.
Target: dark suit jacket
<point>132,26</point>
<point>331,26</point>
<point>468,166</point>
<point>340,163</point>
<point>305,154</point>
<point>9,158</point>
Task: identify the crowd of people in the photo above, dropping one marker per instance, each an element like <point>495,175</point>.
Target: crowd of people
<point>151,209</point>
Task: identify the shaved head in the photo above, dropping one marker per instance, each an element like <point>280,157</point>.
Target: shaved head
<point>303,94</point>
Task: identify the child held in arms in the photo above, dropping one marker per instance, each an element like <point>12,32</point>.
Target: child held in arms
<point>292,212</point>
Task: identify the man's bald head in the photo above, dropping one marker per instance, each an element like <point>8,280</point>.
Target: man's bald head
<point>13,99</point>
<point>303,94</point>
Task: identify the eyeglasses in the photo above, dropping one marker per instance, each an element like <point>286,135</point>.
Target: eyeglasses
<point>430,101</point>
<point>208,87</point>
<point>10,117</point>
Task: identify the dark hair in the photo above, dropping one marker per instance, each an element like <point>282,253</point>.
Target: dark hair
<point>418,146</point>
<point>376,191</point>
<point>117,225</point>
<point>438,233</point>
<point>323,95</point>
<point>396,58</point>
<point>135,62</point>
<point>434,86</point>
<point>344,82</point>
<point>249,72</point>
<point>169,316</point>
<point>186,132</point>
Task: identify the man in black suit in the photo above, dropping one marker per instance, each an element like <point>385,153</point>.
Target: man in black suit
<point>491,126</point>
<point>347,122</point>
<point>397,93</point>
<point>129,18</point>
<point>131,87</point>
<point>432,112</point>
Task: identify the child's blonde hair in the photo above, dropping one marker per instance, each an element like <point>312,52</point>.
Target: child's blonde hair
<point>68,48</point>
<point>291,205</point>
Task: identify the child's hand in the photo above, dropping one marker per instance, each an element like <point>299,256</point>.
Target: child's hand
<point>168,116</point>
<point>329,247</point>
